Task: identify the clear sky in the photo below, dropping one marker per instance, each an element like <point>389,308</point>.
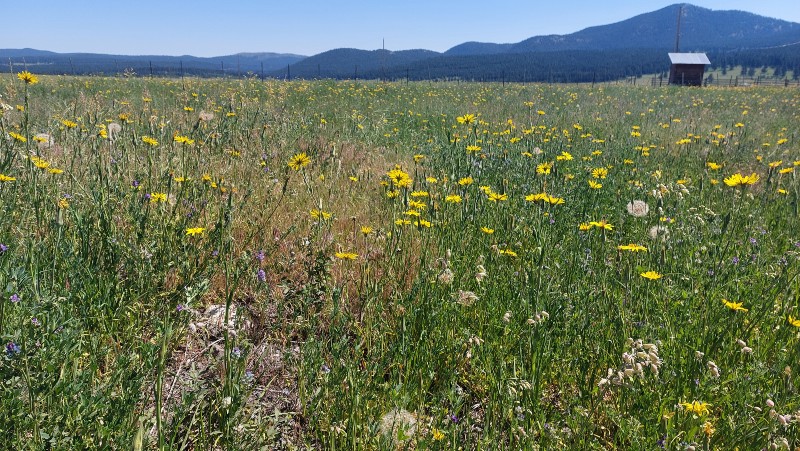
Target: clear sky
<point>215,28</point>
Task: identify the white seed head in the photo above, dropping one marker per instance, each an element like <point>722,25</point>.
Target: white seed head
<point>638,208</point>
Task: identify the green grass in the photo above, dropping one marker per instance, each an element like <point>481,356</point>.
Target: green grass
<point>438,335</point>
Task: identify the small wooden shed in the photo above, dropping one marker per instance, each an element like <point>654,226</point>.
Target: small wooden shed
<point>687,69</point>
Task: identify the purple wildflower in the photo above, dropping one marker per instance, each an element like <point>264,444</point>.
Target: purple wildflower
<point>14,298</point>
<point>262,276</point>
<point>3,248</point>
<point>12,349</point>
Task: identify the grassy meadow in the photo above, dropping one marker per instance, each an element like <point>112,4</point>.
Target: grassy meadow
<point>246,264</point>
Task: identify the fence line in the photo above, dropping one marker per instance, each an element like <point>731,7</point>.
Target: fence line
<point>161,69</point>
<point>736,81</point>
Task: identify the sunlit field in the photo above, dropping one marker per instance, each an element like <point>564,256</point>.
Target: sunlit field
<point>247,264</point>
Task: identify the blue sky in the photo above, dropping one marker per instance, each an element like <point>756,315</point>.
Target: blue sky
<point>213,28</point>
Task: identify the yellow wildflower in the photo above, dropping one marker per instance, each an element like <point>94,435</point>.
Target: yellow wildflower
<point>565,156</point>
<point>708,429</point>
<point>149,140</point>
<point>346,255</point>
<point>192,231</point>
<point>652,275</point>
<point>28,78</point>
<point>158,197</point>
<point>603,224</point>
<point>739,179</point>
<point>696,407</point>
<point>466,119</point>
<point>40,163</point>
<point>544,168</point>
<point>319,214</point>
<point>183,140</point>
<point>632,247</point>
<point>508,252</point>
<point>298,161</point>
<point>735,306</point>
<point>400,178</point>
<point>417,205</point>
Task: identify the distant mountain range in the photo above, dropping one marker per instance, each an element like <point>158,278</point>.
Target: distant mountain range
<point>701,30</point>
<point>630,47</point>
<point>96,63</point>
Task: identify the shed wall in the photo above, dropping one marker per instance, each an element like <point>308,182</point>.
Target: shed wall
<point>686,74</point>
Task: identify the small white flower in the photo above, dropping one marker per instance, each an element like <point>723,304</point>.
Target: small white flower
<point>466,298</point>
<point>658,233</point>
<point>446,277</point>
<point>480,273</point>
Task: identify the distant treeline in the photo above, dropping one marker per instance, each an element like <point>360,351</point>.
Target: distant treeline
<point>580,66</point>
<point>577,66</point>
<point>160,66</point>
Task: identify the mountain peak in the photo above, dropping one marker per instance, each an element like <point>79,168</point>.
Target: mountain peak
<point>701,29</point>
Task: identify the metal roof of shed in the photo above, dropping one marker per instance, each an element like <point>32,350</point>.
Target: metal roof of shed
<point>688,58</point>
